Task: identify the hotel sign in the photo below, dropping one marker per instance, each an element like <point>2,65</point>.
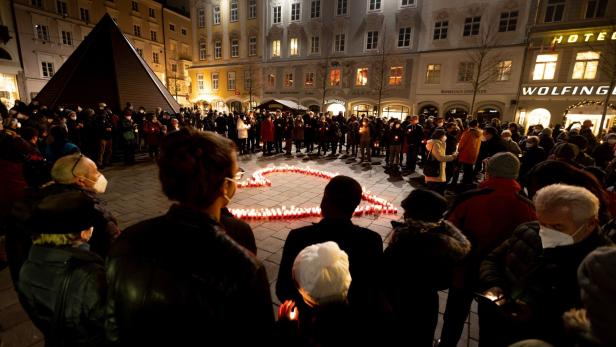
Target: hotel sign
<point>566,90</point>
<point>585,37</point>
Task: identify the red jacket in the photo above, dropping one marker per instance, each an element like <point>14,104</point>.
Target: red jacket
<point>468,147</point>
<point>267,131</point>
<point>488,216</point>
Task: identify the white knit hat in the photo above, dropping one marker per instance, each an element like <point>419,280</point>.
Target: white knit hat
<point>321,272</point>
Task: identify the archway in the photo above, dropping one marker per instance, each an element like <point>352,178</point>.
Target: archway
<point>486,113</point>
<point>428,110</point>
<point>538,116</point>
<point>363,110</point>
<point>235,105</point>
<point>335,109</point>
<point>396,111</point>
<point>456,112</point>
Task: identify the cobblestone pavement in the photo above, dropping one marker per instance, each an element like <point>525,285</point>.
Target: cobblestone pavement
<point>134,194</point>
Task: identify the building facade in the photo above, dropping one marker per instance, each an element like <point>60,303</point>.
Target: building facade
<point>571,64</point>
<point>471,58</point>
<point>227,53</point>
<point>178,54</point>
<point>10,63</point>
<point>351,56</point>
<point>50,30</point>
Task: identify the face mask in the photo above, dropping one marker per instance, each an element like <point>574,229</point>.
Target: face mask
<point>551,238</point>
<point>100,185</point>
<point>507,138</point>
<point>529,145</point>
<point>611,141</point>
<point>74,118</point>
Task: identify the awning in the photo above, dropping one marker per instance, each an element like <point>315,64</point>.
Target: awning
<point>282,105</point>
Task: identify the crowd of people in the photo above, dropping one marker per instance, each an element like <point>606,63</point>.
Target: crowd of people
<point>529,236</point>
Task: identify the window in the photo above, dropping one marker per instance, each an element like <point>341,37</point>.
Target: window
<point>235,48</point>
<point>153,35</point>
<point>215,80</point>
<point>554,11</point>
<point>288,79</point>
<point>314,44</point>
<point>374,5</point>
<point>271,80</point>
<point>334,77</point>
<point>315,9</point>
<point>309,80</point>
<point>84,14</point>
<point>140,52</point>
<point>135,6</point>
<point>37,3</point>
<point>247,80</point>
<point>152,12</point>
<point>201,17</point>
<point>339,43</point>
<point>155,58</point>
<point>252,46</point>
<point>184,32</point>
<point>508,21</point>
<point>217,49</point>
<point>67,38</point>
<point>137,30</point>
<point>277,18</point>
<point>545,66</point>
<point>440,30</point>
<point>471,26</point>
<point>295,11</point>
<point>407,3</point>
<point>293,46</point>
<point>174,67</point>
<point>42,32</point>
<point>202,50</point>
<point>233,10</point>
<point>171,27</point>
<point>61,7</point>
<point>47,69</point>
<point>231,80</point>
<point>433,73</point>
<point>395,75</point>
<point>466,71</point>
<point>372,40</point>
<point>276,48</point>
<point>341,7</point>
<point>361,77</point>
<point>252,9</point>
<point>216,15</point>
<point>503,70</point>
<point>595,8</point>
<point>200,82</point>
<point>404,37</point>
<point>586,64</point>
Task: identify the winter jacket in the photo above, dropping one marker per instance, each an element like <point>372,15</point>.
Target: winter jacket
<point>414,134</point>
<point>603,154</point>
<point>242,129</point>
<point>179,279</point>
<point>40,286</point>
<point>544,279</point>
<point>298,130</point>
<point>437,150</point>
<point>470,141</point>
<point>153,135</point>
<point>512,147</point>
<point>532,156</point>
<point>487,216</point>
<point>396,137</point>
<point>267,131</point>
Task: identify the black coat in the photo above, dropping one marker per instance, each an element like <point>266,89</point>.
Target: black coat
<point>414,134</point>
<point>39,287</point>
<point>238,230</point>
<point>180,280</point>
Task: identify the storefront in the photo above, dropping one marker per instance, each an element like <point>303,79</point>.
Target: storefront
<point>8,89</point>
<point>396,111</point>
<point>335,106</point>
<point>428,110</point>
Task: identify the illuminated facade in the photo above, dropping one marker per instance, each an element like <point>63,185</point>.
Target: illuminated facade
<point>178,54</point>
<point>10,66</point>
<point>50,30</point>
<point>227,53</point>
<point>569,65</point>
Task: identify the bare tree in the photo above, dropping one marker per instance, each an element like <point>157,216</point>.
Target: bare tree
<point>485,62</point>
<point>380,68</point>
<point>323,72</point>
<point>253,83</point>
<point>607,66</point>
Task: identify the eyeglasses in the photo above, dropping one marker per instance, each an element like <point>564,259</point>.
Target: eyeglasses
<point>74,166</point>
<point>238,175</point>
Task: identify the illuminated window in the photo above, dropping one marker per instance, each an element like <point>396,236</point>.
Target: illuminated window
<point>339,43</point>
<point>361,78</point>
<point>216,15</point>
<point>293,49</point>
<point>231,80</point>
<point>440,30</point>
<point>334,77</point>
<point>586,64</point>
<point>235,48</point>
<point>395,75</point>
<point>217,49</point>
<point>271,80</point>
<point>277,18</point>
<point>233,10</point>
<point>554,11</point>
<point>433,73</point>
<point>503,70</point>
<point>545,67</point>
<point>276,48</point>
<point>295,11</point>
<point>200,82</point>
<point>471,26</point>
<point>508,21</point>
<point>396,111</point>
<point>288,79</point>
<point>309,80</point>
<point>466,71</point>
<point>314,44</point>
<point>215,80</point>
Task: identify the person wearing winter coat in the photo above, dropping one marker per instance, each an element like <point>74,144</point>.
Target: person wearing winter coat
<point>414,136</point>
<point>365,137</point>
<point>352,136</point>
<point>242,134</point>
<point>418,263</point>
<point>469,145</point>
<point>267,134</point>
<point>128,130</point>
<point>512,146</point>
<point>533,275</point>
<point>153,135</point>
<point>396,138</point>
<point>298,133</point>
<point>533,155</point>
<point>604,152</point>
<point>60,145</point>
<point>436,151</point>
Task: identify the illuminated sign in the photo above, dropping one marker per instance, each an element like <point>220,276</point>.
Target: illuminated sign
<point>584,37</point>
<point>335,101</point>
<point>566,90</point>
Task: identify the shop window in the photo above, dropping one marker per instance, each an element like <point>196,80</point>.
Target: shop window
<point>545,67</point>
<point>586,64</point>
<point>363,109</point>
<point>361,78</point>
<point>396,111</point>
<point>429,110</point>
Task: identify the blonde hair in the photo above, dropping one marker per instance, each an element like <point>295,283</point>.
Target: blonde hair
<point>56,239</point>
<point>582,204</point>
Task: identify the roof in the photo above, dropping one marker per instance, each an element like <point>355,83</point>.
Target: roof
<point>105,67</point>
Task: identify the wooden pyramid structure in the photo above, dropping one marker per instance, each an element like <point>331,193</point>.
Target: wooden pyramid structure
<point>105,67</point>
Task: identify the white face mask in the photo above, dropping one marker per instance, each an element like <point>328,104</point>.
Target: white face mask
<point>551,238</point>
<point>100,185</point>
<point>444,138</point>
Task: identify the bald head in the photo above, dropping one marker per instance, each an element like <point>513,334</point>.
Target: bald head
<point>75,169</point>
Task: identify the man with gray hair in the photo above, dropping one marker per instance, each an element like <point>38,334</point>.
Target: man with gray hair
<point>533,275</point>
